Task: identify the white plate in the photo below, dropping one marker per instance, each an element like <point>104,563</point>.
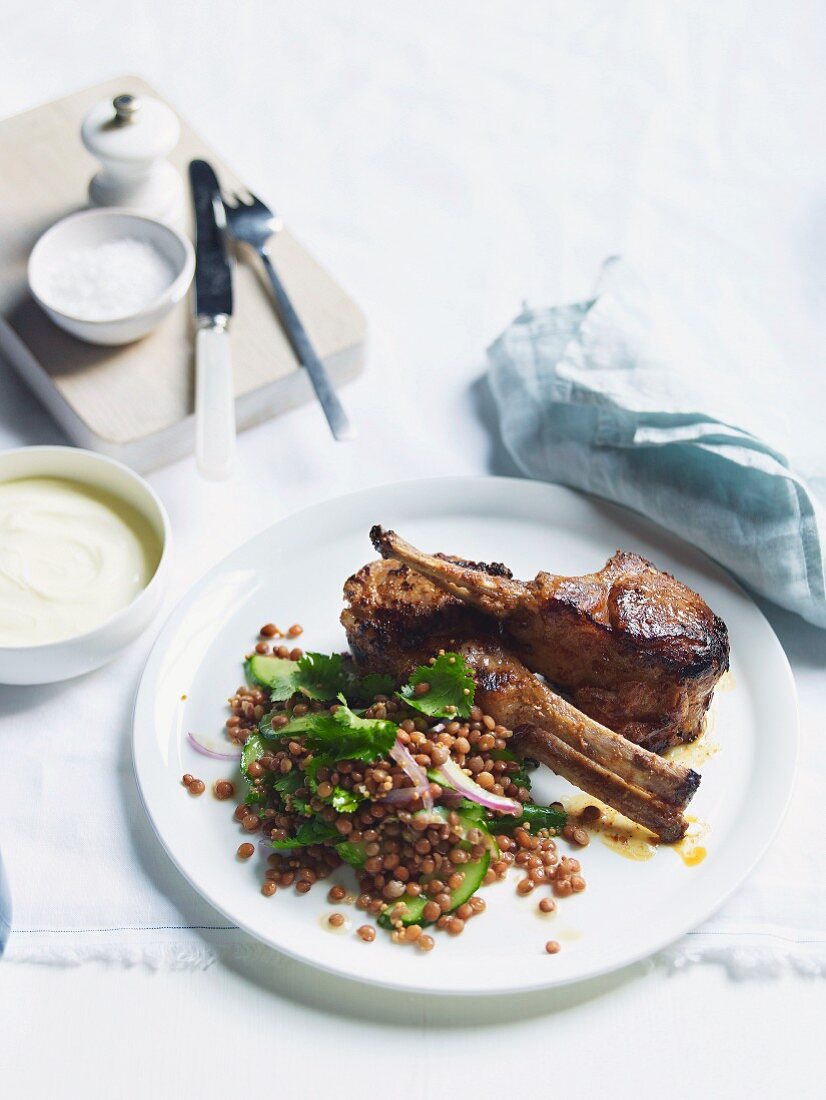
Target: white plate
<point>294,571</point>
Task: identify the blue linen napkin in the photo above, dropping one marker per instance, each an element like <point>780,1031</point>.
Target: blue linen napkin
<point>622,397</point>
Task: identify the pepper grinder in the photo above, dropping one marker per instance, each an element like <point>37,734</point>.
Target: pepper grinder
<point>132,137</point>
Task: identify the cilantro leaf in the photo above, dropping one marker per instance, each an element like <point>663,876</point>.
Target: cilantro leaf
<point>340,798</point>
<point>451,688</point>
<point>346,802</point>
<point>345,736</point>
<point>289,783</point>
<point>536,817</point>
<point>354,854</point>
<point>313,766</point>
<point>321,676</point>
<point>310,833</point>
<point>375,683</point>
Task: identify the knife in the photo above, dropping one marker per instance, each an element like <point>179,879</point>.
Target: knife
<point>214,395</point>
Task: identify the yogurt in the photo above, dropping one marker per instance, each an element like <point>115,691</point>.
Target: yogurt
<point>71,557</point>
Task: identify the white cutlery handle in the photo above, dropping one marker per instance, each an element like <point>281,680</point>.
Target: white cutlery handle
<point>214,403</point>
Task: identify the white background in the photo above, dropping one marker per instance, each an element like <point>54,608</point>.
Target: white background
<point>447,160</point>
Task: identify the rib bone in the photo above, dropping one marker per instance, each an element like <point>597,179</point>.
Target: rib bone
<point>515,697</point>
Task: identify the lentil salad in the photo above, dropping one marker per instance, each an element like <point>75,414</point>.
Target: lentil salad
<point>415,789</point>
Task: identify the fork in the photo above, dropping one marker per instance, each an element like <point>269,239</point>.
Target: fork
<point>254,224</point>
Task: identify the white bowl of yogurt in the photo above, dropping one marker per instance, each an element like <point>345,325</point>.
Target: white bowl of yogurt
<point>84,553</point>
<point>109,276</point>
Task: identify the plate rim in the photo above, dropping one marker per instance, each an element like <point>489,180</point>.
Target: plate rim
<point>525,485</point>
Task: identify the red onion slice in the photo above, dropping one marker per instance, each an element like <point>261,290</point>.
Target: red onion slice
<point>205,751</point>
<point>453,775</point>
<point>401,796</point>
<point>415,772</point>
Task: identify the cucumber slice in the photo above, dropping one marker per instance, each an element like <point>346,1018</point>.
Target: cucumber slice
<point>295,726</point>
<point>473,873</point>
<point>489,840</point>
<point>471,818</point>
<point>270,672</point>
<point>253,749</point>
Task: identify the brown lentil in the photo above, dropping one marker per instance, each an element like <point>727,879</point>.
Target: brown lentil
<point>431,911</point>
<point>269,630</point>
<point>367,933</point>
<point>223,789</point>
<point>552,947</point>
<point>268,889</point>
<point>295,630</point>
<point>336,920</point>
<point>196,787</point>
<point>245,850</point>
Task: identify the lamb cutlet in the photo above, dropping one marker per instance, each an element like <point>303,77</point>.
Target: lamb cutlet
<point>634,648</point>
<point>397,618</point>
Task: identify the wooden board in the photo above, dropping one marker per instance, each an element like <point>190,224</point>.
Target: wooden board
<point>136,402</point>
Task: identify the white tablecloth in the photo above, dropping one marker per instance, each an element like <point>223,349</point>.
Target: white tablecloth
<point>448,161</point>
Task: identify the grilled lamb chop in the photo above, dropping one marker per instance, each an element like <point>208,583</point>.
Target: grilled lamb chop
<point>397,619</point>
<point>635,649</point>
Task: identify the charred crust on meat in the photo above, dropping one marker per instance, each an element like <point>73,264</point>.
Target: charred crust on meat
<point>382,544</point>
<point>491,569</point>
<point>379,537</point>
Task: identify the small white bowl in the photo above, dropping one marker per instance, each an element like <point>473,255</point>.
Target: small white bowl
<point>99,226</point>
<point>69,657</point>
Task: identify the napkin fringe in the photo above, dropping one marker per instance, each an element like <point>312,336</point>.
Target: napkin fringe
<point>149,956</point>
<point>745,962</point>
<point>739,962</point>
